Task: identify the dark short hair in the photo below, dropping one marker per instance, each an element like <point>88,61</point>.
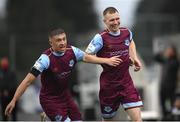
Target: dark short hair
<point>110,10</point>
<point>55,32</point>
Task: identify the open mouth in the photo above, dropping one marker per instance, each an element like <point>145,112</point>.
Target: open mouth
<point>62,48</point>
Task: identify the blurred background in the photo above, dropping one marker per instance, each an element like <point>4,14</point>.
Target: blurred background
<point>24,25</point>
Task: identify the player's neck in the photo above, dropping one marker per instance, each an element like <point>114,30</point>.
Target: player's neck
<point>115,33</point>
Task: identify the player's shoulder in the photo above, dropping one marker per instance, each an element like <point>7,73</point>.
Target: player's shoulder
<point>48,51</point>
<point>75,49</point>
<point>124,29</point>
<point>70,47</point>
<point>103,32</point>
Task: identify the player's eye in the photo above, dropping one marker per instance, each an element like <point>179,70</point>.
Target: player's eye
<point>111,20</point>
<point>117,18</point>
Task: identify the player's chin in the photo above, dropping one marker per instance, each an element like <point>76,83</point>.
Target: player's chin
<point>115,29</point>
<point>62,50</point>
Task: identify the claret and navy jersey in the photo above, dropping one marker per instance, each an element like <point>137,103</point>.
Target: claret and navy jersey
<point>55,96</point>
<point>116,84</point>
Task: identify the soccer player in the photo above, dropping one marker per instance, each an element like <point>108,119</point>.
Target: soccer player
<point>55,66</point>
<point>116,84</point>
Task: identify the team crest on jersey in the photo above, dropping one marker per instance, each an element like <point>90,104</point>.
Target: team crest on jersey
<point>107,108</point>
<point>71,63</point>
<point>127,42</point>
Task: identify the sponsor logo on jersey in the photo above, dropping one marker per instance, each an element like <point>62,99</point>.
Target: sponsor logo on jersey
<point>119,52</point>
<point>64,74</point>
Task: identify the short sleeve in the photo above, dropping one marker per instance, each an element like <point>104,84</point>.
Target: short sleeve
<point>42,63</point>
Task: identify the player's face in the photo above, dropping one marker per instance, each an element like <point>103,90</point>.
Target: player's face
<point>58,42</point>
<point>112,21</point>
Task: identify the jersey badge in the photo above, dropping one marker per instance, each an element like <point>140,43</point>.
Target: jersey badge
<point>71,63</point>
<point>127,42</point>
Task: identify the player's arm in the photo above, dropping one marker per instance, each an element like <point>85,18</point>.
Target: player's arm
<point>132,50</point>
<point>134,57</point>
<point>30,77</point>
<point>94,46</point>
<point>113,61</point>
<point>20,90</point>
<point>41,64</point>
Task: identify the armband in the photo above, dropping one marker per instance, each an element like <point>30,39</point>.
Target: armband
<point>35,72</point>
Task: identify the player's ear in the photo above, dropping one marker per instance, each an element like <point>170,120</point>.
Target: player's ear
<point>104,19</point>
<point>50,41</point>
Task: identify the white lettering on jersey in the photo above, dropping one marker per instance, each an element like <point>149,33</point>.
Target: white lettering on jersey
<point>90,49</point>
<point>37,66</point>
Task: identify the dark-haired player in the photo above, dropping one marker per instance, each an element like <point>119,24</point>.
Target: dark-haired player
<point>55,66</point>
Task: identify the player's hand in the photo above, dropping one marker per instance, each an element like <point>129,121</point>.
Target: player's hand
<point>114,61</point>
<point>9,108</point>
<point>137,65</point>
